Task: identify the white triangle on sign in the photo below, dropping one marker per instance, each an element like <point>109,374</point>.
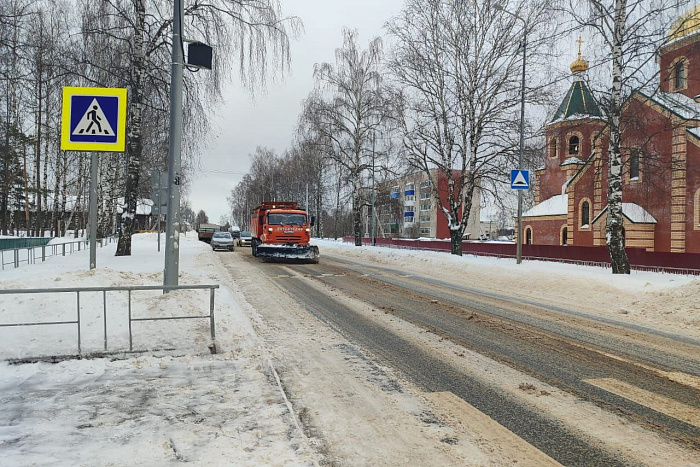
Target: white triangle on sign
<point>93,122</point>
<point>519,180</point>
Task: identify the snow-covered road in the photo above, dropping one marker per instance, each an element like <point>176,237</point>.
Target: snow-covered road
<point>234,408</point>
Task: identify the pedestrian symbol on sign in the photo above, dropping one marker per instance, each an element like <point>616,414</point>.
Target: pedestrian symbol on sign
<point>94,122</point>
<point>93,119</point>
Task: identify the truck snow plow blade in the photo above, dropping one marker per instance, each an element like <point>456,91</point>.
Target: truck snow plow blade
<point>306,252</point>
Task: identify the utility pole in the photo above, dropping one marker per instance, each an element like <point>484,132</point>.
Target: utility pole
<point>519,247</point>
<point>372,239</point>
<point>172,231</point>
<point>519,252</point>
<point>159,189</point>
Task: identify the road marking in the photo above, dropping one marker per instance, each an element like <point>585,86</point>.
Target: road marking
<point>481,426</point>
<point>654,401</point>
<point>676,376</point>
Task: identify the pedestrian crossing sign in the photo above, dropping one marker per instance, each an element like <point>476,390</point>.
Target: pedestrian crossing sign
<point>520,179</point>
<point>93,119</point>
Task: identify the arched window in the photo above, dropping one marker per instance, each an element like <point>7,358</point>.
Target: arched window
<point>634,165</point>
<point>564,234</point>
<point>528,236</point>
<point>679,75</point>
<point>553,147</point>
<point>574,145</point>
<point>585,214</point>
<point>696,208</point>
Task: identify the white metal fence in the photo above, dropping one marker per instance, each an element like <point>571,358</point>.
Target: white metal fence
<point>78,322</point>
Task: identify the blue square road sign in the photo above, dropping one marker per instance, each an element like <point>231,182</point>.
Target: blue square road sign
<point>520,179</point>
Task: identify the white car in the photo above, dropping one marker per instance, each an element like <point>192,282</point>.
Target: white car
<point>222,240</point>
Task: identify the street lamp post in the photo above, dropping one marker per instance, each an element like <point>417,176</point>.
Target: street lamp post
<point>519,249</point>
<point>172,236</point>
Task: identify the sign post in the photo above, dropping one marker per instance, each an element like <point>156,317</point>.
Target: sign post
<point>93,120</point>
<point>159,184</point>
<point>520,180</point>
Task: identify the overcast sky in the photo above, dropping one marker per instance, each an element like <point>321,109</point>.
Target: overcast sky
<point>242,123</point>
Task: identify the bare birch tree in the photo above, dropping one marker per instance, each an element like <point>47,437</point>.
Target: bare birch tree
<point>352,103</point>
<point>252,31</point>
<point>460,67</point>
<point>631,32</point>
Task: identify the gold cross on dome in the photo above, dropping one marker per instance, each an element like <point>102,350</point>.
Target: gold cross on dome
<point>580,41</point>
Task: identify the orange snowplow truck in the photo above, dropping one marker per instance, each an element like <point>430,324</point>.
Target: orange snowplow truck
<point>282,230</point>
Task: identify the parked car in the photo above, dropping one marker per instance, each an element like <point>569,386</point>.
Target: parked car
<point>245,239</point>
<point>222,240</point>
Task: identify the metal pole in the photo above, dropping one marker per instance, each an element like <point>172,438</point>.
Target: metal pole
<point>131,339</point>
<point>104,315</point>
<point>372,241</point>
<point>93,209</point>
<point>158,189</point>
<point>211,314</point>
<point>172,233</point>
<point>78,304</point>
<point>519,254</point>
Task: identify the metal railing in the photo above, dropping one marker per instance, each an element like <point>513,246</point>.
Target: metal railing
<point>31,255</point>
<point>104,290</point>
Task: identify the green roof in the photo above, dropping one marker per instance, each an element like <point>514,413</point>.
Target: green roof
<point>578,102</point>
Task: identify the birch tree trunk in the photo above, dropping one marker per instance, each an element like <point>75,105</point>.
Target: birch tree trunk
<point>356,210</point>
<point>135,144</point>
<point>613,227</point>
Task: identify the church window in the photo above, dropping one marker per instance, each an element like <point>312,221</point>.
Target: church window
<point>585,214</point>
<point>573,145</point>
<point>679,75</point>
<point>696,208</point>
<point>634,165</point>
<point>564,234</point>
<point>528,236</point>
<point>553,147</point>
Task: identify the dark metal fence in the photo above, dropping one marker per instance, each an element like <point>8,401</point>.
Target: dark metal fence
<point>104,290</point>
<point>31,255</point>
<point>640,259</point>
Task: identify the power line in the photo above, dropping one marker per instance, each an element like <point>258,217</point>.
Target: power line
<point>225,172</point>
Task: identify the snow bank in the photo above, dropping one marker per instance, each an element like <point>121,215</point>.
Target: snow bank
<point>182,406</point>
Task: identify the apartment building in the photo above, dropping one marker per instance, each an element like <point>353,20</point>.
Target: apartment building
<point>406,208</point>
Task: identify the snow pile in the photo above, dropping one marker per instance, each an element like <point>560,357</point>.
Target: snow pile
<point>181,406</point>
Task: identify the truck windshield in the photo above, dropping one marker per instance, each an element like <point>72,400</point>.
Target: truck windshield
<point>286,219</point>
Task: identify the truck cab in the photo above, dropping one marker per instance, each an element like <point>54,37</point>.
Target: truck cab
<point>282,230</point>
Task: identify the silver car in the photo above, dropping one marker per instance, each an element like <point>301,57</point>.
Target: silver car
<point>222,240</point>
<point>245,239</point>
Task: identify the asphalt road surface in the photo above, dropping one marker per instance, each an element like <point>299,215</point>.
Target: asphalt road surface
<point>624,370</point>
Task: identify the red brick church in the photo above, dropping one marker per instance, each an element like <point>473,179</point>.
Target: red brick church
<point>660,154</point>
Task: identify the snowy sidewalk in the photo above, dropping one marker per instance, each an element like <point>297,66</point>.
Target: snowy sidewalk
<point>150,410</point>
